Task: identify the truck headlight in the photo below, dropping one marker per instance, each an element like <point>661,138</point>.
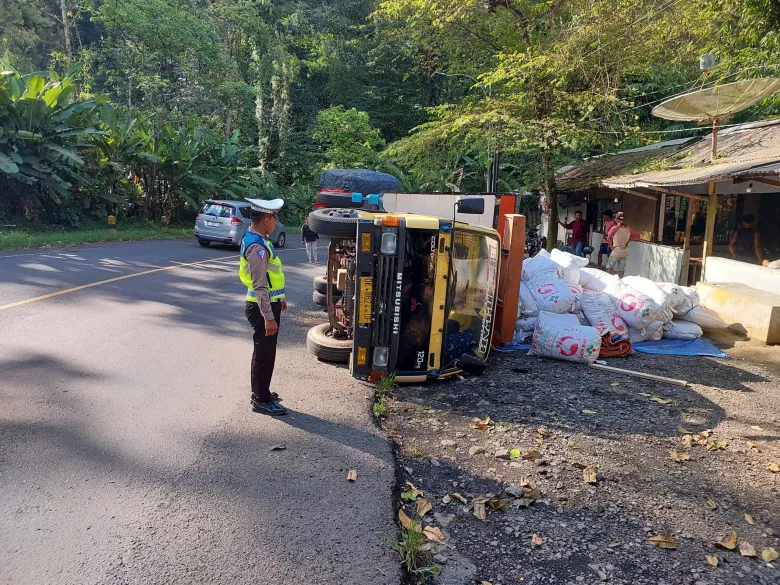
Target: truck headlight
<point>381,356</point>
<point>389,243</point>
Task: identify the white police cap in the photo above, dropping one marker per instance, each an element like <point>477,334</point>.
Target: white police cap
<point>272,206</point>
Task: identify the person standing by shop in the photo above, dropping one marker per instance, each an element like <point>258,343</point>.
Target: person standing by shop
<point>310,239</point>
<point>260,270</point>
<point>579,232</point>
<point>620,236</point>
<point>609,223</point>
<point>745,244</point>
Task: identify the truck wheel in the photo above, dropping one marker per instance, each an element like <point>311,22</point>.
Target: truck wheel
<point>342,200</point>
<point>321,286</point>
<point>321,299</point>
<point>334,223</point>
<point>323,345</point>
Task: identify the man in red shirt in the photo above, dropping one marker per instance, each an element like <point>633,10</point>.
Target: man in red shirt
<point>579,232</point>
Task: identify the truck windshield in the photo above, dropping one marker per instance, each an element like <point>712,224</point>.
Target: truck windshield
<point>472,295</point>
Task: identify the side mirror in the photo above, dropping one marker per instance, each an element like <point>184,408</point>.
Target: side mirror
<point>471,365</point>
<point>471,205</point>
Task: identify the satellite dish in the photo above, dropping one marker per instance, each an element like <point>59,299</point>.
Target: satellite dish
<point>716,104</point>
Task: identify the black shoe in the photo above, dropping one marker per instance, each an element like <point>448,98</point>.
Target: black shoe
<point>270,408</point>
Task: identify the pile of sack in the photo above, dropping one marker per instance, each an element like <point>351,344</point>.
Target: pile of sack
<point>566,308</point>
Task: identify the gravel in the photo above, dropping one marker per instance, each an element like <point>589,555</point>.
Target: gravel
<point>624,428</point>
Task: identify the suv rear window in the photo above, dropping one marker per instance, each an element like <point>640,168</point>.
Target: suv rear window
<point>217,210</point>
<point>244,211</point>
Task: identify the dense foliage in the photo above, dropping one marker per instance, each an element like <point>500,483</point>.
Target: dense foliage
<point>146,107</point>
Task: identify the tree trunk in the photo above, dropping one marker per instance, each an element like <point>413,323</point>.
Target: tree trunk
<point>66,31</point>
<point>551,194</point>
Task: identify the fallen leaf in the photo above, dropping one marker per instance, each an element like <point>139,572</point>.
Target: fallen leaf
<point>729,544</point>
<point>746,549</point>
<point>716,446</point>
<point>713,560</point>
<point>701,438</point>
<point>543,431</point>
<point>539,441</point>
<point>410,492</point>
<point>423,507</point>
<point>433,533</point>
<point>446,499</point>
<point>614,384</point>
<point>774,468</point>
<point>460,498</point>
<point>498,504</point>
<point>683,431</point>
<point>352,475</point>
<point>524,481</point>
<point>679,457</point>
<point>531,455</point>
<point>589,475</point>
<point>756,428</point>
<point>687,441</point>
<point>407,522</point>
<point>514,453</point>
<point>485,583</point>
<point>645,394</point>
<point>483,424</point>
<point>278,447</point>
<point>480,511</point>
<point>712,504</point>
<point>752,446</point>
<point>663,541</point>
<point>588,411</point>
<point>769,555</point>
<point>660,400</point>
<point>537,540</point>
<point>575,446</point>
<point>532,493</point>
<point>749,519</point>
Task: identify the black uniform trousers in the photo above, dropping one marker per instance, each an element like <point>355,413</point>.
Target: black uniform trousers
<point>264,356</point>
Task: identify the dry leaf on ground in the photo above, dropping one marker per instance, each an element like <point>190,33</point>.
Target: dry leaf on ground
<point>749,519</point>
<point>716,445</point>
<point>729,544</point>
<point>746,549</point>
<point>711,504</point>
<point>753,447</point>
<point>460,498</point>
<point>352,475</point>
<point>774,468</point>
<point>663,541</point>
<point>531,455</point>
<point>480,511</point>
<point>532,493</point>
<point>756,428</point>
<point>497,504</point>
<point>660,400</point>
<point>483,424</point>
<point>589,475</point>
<point>537,540</point>
<point>683,431</point>
<point>713,560</point>
<point>679,457</point>
<point>423,507</point>
<point>410,492</point>
<point>485,583</point>
<point>588,411</point>
<point>278,448</point>
<point>433,533</point>
<point>544,431</point>
<point>407,522</point>
<point>687,441</point>
<point>769,555</point>
<point>525,481</point>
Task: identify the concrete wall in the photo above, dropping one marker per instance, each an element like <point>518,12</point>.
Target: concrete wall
<point>438,205</point>
<point>721,270</point>
<point>654,261</point>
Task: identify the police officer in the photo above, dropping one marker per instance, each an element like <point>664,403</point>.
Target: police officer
<point>261,271</point>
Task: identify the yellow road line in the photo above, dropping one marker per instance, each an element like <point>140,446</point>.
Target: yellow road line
<point>118,278</point>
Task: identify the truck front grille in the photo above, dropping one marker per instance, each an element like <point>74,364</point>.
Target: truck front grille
<point>385,285</point>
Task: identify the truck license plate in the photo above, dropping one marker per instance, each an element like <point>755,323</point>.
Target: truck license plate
<point>366,292</point>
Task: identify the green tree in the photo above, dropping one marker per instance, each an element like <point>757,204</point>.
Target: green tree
<point>347,138</point>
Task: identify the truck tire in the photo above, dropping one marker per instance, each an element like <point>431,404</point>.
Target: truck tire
<point>321,286</point>
<point>321,299</point>
<point>341,200</point>
<point>334,223</point>
<point>322,345</point>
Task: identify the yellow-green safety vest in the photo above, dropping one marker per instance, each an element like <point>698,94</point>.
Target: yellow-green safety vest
<point>275,272</point>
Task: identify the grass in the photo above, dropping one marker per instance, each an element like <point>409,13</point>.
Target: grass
<point>413,557</point>
<point>13,238</point>
<point>383,394</point>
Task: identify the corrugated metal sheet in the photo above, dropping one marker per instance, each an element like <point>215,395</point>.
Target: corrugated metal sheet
<point>740,151</point>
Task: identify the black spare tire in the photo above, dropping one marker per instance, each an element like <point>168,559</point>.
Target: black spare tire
<point>334,223</point>
<point>342,200</point>
<point>322,344</point>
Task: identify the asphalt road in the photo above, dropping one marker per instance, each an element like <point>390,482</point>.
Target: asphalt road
<point>128,451</point>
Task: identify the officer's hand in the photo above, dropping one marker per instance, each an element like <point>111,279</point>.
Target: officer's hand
<point>271,328</point>
<point>284,305</point>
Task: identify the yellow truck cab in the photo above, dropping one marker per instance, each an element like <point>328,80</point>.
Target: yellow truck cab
<point>418,292</point>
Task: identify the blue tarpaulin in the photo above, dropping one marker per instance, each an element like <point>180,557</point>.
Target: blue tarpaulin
<point>513,347</point>
<point>679,347</point>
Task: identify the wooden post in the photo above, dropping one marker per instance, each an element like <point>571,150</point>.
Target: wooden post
<point>164,223</point>
<point>112,224</point>
<point>688,224</point>
<point>512,253</point>
<point>506,206</point>
<point>662,219</point>
<point>709,231</point>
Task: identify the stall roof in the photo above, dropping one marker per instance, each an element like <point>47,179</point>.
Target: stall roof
<point>743,151</point>
<point>592,171</point>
